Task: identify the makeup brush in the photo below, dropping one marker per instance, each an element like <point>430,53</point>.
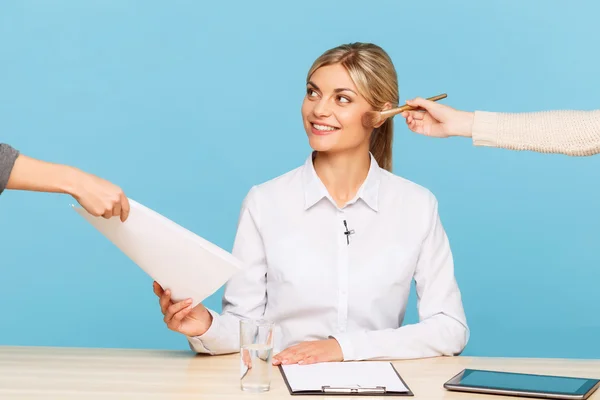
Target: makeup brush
<point>373,118</point>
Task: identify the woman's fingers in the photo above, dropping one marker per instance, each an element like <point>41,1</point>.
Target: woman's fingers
<point>176,308</point>
<point>165,301</point>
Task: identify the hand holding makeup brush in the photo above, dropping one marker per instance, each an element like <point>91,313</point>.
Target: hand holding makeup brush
<point>437,120</point>
<point>374,119</point>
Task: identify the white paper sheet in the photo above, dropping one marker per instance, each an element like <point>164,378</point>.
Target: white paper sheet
<point>179,260</point>
<point>343,374</point>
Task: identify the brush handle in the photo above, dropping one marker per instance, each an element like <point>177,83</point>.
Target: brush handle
<point>398,110</point>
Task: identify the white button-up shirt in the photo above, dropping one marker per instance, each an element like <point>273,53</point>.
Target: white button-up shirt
<point>320,271</point>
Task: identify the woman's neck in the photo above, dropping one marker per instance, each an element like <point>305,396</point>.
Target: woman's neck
<point>342,173</point>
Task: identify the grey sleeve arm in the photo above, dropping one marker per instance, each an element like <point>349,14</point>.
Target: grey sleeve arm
<point>8,156</point>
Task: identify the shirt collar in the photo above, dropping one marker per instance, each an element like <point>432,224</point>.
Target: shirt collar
<point>315,190</point>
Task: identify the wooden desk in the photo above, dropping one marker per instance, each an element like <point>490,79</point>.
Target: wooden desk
<point>67,373</point>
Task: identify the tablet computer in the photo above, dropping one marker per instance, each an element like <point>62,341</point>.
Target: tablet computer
<point>525,385</point>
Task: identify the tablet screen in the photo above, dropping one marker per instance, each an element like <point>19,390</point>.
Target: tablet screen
<point>522,382</point>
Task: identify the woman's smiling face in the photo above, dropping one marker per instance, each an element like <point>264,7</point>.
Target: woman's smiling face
<point>332,111</point>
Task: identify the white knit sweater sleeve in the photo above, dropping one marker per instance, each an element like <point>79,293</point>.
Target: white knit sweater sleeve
<point>574,133</point>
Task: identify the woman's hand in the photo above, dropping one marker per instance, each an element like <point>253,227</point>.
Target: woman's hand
<point>181,317</point>
<point>100,197</point>
<point>310,352</point>
<point>438,120</point>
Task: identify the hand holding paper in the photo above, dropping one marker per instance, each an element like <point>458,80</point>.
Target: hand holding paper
<point>179,260</point>
<point>181,316</point>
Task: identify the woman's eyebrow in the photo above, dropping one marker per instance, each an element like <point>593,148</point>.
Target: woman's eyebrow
<point>344,90</point>
<point>335,90</point>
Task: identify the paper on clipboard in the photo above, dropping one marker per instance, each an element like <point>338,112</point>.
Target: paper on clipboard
<point>179,260</point>
<point>344,377</point>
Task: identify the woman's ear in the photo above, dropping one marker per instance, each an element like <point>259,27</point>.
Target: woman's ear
<point>386,106</point>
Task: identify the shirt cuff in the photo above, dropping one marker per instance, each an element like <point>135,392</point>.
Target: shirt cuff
<point>345,342</point>
<point>203,343</point>
<point>485,129</point>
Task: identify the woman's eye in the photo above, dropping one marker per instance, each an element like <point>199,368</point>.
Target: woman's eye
<point>311,93</point>
<point>343,99</point>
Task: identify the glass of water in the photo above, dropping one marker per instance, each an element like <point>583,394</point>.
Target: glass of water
<point>256,352</point>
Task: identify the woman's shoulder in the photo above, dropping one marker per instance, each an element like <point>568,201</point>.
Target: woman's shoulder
<point>395,190</point>
<point>401,185</point>
<point>282,185</point>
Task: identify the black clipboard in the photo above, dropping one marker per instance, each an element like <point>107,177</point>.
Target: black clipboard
<point>344,391</point>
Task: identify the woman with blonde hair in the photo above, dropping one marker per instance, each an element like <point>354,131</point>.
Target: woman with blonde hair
<point>331,248</point>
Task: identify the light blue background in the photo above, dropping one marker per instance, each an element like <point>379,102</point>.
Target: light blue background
<point>186,104</point>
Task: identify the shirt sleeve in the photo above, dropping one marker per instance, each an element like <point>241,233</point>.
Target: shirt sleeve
<point>245,294</point>
<point>442,328</point>
<point>8,156</point>
<point>573,133</point>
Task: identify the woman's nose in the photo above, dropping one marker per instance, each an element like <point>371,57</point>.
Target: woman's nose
<point>322,109</point>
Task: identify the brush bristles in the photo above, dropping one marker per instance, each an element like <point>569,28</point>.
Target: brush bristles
<point>371,118</point>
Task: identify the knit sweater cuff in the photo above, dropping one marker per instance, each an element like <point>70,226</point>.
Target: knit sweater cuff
<point>485,129</point>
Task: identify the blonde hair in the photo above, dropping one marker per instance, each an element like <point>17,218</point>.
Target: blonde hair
<point>374,74</point>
